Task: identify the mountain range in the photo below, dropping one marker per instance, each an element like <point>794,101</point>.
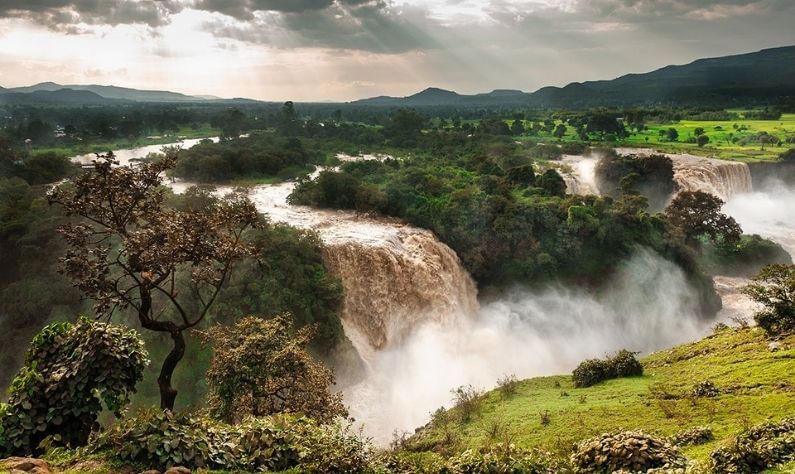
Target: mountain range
<point>763,76</point>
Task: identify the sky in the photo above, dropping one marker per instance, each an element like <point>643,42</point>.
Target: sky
<point>338,50</point>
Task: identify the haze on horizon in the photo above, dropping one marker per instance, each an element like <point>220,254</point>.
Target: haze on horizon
<point>340,50</point>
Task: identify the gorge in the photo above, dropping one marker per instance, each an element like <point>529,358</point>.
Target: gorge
<point>412,313</point>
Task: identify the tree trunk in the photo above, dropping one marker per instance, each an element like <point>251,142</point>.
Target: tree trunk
<point>168,393</point>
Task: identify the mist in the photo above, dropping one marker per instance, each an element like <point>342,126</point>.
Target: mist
<point>648,306</point>
<point>769,212</point>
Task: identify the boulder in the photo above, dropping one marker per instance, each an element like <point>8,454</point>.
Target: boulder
<point>177,470</point>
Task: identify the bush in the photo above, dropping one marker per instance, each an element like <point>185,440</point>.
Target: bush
<point>774,289</point>
<point>693,436</point>
<point>756,450</point>
<point>590,372</point>
<point>705,388</point>
<point>502,458</point>
<point>467,400</point>
<point>70,372</point>
<point>508,385</point>
<point>626,451</point>
<point>593,371</point>
<point>161,439</point>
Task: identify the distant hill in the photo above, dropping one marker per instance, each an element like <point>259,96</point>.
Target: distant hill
<point>114,92</point>
<point>60,96</point>
<point>761,76</point>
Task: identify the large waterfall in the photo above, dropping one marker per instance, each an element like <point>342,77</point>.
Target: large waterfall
<point>395,276</point>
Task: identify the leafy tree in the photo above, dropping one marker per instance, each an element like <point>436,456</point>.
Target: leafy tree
<point>127,250</point>
<point>695,214</point>
<point>517,128</point>
<point>70,372</point>
<point>523,175</point>
<point>560,131</point>
<point>702,140</point>
<point>603,123</point>
<point>698,131</point>
<point>405,126</point>
<point>671,135</point>
<point>261,367</point>
<point>774,288</point>
<point>552,183</point>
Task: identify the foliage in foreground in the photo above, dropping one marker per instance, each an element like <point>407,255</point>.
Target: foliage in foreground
<point>160,439</point>
<point>626,451</point>
<point>263,367</point>
<point>70,372</point>
<point>760,448</point>
<point>592,371</point>
<point>774,289</point>
<point>503,458</point>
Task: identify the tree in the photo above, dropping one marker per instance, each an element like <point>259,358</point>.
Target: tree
<point>560,131</point>
<point>696,214</point>
<point>672,134</point>
<point>552,183</point>
<point>70,372</point>
<point>129,251</point>
<point>262,367</point>
<point>702,140</point>
<point>517,128</point>
<point>774,288</point>
<point>698,131</point>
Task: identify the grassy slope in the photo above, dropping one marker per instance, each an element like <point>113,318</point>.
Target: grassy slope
<point>759,385</point>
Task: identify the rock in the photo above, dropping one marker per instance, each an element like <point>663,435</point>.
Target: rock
<point>29,465</point>
<point>773,346</point>
<point>151,471</point>
<point>177,470</point>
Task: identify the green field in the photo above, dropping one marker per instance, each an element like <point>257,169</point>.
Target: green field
<point>728,139</point>
<point>756,386</point>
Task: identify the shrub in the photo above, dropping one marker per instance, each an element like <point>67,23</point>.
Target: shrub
<point>502,458</point>
<point>626,451</point>
<point>70,372</point>
<point>590,372</point>
<point>161,439</point>
<point>467,400</point>
<point>593,371</point>
<point>705,388</point>
<point>693,436</point>
<point>774,289</point>
<point>508,385</point>
<point>759,448</point>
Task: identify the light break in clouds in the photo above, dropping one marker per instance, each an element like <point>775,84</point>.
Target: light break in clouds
<point>348,49</point>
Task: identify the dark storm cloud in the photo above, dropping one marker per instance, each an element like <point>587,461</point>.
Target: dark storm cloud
<point>364,25</point>
<point>62,14</point>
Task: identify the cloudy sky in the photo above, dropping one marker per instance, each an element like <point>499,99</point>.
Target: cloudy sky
<point>348,49</point>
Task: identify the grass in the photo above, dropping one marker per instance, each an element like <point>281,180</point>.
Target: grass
<point>102,146</point>
<point>549,413</point>
<point>720,133</point>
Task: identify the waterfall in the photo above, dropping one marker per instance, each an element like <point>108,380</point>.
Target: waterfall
<point>720,178</point>
<point>579,173</point>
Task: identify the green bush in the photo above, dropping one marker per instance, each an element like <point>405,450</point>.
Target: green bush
<point>592,371</point>
<point>160,439</point>
<point>626,451</point>
<point>70,372</point>
<point>758,449</point>
<point>502,458</point>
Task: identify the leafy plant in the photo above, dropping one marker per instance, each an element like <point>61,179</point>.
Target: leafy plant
<point>774,288</point>
<point>626,451</point>
<point>71,371</point>
<point>592,371</point>
<point>759,448</point>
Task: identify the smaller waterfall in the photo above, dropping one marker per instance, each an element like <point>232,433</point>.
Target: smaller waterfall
<point>720,178</point>
<point>579,173</point>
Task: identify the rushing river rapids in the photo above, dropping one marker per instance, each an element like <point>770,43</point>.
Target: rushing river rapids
<point>411,310</point>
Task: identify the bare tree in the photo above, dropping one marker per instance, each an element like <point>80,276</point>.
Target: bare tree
<point>128,250</point>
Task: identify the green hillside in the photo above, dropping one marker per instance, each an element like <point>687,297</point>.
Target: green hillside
<point>755,383</point>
